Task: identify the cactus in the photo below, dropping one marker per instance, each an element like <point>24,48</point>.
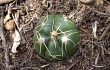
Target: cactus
<point>55,37</point>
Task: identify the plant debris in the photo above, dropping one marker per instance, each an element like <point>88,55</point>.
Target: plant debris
<point>93,54</point>
<point>94,27</point>
<point>10,25</point>
<point>9,22</point>
<point>16,41</point>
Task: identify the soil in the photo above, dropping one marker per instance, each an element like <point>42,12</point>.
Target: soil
<point>93,53</point>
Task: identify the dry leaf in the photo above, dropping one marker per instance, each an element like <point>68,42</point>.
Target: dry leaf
<point>7,17</point>
<point>9,25</point>
<point>8,22</point>
<point>17,39</point>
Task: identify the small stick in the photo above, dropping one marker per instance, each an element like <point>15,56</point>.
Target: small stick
<point>43,66</point>
<point>105,31</point>
<point>97,66</point>
<point>30,68</point>
<point>101,13</point>
<point>6,51</point>
<point>96,60</point>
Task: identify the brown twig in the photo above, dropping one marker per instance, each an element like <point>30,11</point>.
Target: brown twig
<point>107,1</point>
<point>101,13</point>
<point>4,45</point>
<point>104,33</point>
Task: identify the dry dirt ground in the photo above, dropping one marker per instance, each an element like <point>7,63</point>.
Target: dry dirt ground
<point>93,53</point>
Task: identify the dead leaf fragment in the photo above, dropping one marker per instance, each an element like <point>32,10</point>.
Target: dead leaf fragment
<point>9,25</point>
<point>9,22</point>
<point>16,42</point>
<point>7,17</point>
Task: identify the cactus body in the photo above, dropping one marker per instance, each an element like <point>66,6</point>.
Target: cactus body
<point>55,37</point>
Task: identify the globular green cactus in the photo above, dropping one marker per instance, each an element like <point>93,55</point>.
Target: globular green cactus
<point>55,37</point>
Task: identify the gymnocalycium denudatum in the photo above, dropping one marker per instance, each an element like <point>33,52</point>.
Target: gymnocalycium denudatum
<point>55,37</point>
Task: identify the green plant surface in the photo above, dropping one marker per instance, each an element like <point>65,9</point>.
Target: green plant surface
<point>55,37</point>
